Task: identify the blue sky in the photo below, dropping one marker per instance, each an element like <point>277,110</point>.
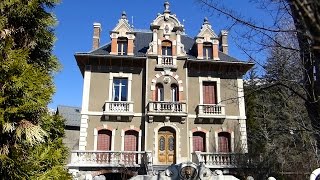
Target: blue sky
<point>75,27</point>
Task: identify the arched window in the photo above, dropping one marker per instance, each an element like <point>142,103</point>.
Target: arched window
<point>199,143</point>
<point>224,142</point>
<point>174,93</point>
<point>122,46</point>
<point>159,92</point>
<point>166,48</point>
<point>131,140</point>
<point>207,51</point>
<point>104,140</point>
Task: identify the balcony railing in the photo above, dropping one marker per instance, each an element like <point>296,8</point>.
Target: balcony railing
<point>110,158</point>
<point>211,111</point>
<point>167,60</point>
<point>161,107</point>
<point>118,108</point>
<point>220,160</point>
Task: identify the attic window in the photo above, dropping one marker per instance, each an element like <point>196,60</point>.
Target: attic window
<point>166,48</point>
<point>122,46</point>
<point>207,51</point>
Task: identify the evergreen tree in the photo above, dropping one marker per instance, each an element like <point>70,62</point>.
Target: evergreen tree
<point>30,138</point>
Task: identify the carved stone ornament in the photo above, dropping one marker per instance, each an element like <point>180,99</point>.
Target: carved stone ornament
<point>166,80</point>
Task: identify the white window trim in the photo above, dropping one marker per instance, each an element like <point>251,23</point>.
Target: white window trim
<point>120,75</point>
<point>95,138</point>
<point>209,79</point>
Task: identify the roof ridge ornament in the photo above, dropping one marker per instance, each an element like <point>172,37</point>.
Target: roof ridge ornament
<point>124,15</point>
<point>166,7</point>
<point>206,21</point>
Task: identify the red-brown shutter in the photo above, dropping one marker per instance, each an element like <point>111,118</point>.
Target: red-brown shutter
<point>131,141</point>
<point>104,140</point>
<point>224,142</point>
<point>209,93</point>
<point>199,141</point>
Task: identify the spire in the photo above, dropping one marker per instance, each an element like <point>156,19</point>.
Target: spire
<point>166,7</point>
<point>124,15</point>
<point>205,20</point>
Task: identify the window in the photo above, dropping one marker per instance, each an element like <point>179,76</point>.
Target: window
<point>104,140</point>
<point>199,141</point>
<point>224,143</point>
<point>131,140</point>
<point>209,92</point>
<point>207,51</point>
<point>159,92</point>
<point>174,93</point>
<point>122,46</point>
<point>120,89</point>
<point>166,48</point>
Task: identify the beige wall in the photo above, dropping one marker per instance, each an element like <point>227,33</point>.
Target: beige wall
<point>95,122</point>
<point>99,91</point>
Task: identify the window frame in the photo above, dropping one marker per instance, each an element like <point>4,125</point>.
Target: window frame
<point>174,88</point>
<point>209,79</point>
<point>206,54</point>
<point>159,93</point>
<point>120,75</point>
<point>122,43</point>
<point>164,52</point>
<point>122,86</point>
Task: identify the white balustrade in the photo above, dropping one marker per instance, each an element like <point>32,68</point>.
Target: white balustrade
<point>167,107</point>
<point>167,60</point>
<point>217,160</point>
<point>118,106</point>
<point>109,158</point>
<point>211,109</point>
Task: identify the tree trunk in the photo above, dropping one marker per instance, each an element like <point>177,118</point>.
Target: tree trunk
<point>309,44</point>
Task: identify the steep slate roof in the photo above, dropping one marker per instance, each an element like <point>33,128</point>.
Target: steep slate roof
<point>71,114</point>
<point>141,45</point>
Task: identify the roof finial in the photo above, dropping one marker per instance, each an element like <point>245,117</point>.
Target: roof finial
<point>124,15</point>
<point>166,7</point>
<point>205,20</point>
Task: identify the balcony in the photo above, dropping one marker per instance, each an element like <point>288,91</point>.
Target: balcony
<point>110,159</point>
<point>211,111</point>
<point>221,160</point>
<point>118,109</point>
<point>166,62</point>
<point>167,110</point>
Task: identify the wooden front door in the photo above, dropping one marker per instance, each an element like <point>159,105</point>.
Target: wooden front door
<point>166,147</point>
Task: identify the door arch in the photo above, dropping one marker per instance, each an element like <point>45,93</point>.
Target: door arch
<point>166,145</point>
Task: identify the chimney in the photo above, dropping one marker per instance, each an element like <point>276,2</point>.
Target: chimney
<point>224,41</point>
<point>96,35</point>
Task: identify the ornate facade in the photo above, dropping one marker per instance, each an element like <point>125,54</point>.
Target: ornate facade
<point>156,98</point>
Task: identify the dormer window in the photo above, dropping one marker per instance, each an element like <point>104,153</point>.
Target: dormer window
<point>122,46</point>
<point>166,48</point>
<point>207,51</point>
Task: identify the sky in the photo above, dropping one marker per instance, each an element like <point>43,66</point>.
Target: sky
<point>74,32</point>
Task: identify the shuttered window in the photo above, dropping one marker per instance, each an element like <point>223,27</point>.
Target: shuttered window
<point>199,141</point>
<point>209,93</point>
<point>104,140</point>
<point>224,142</point>
<point>131,140</point>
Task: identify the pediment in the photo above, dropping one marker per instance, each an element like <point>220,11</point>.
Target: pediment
<point>206,31</point>
<point>123,26</point>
